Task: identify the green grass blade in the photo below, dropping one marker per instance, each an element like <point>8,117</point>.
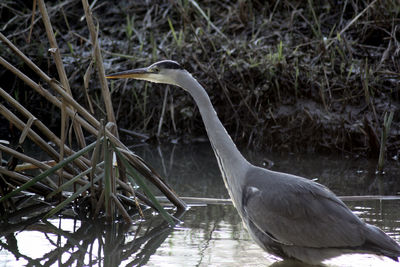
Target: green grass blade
<point>196,5</point>
<point>387,121</point>
<point>107,180</point>
<point>138,179</point>
<point>70,182</point>
<point>173,31</point>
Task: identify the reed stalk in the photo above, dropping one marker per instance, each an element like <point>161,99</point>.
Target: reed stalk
<point>91,170</point>
<point>55,51</point>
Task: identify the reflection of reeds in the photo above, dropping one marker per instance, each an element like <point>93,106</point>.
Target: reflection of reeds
<point>92,171</point>
<point>89,243</point>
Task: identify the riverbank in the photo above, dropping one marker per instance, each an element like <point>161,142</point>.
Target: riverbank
<point>296,76</point>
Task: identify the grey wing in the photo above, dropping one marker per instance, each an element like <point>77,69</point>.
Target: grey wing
<point>302,214</point>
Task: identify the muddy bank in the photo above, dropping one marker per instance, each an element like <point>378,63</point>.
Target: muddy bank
<point>283,75</point>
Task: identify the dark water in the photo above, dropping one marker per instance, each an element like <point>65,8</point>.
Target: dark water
<point>210,235</point>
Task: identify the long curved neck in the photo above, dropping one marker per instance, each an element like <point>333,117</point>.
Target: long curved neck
<point>232,164</point>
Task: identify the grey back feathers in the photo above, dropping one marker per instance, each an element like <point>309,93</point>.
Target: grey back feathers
<point>293,217</point>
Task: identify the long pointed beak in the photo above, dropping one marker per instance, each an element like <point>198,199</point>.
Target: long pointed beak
<point>141,73</point>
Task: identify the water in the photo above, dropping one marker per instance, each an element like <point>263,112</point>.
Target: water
<point>210,235</point>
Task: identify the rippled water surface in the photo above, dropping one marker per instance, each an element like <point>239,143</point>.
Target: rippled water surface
<point>209,235</point>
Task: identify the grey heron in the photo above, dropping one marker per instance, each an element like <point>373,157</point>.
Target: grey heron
<point>287,215</point>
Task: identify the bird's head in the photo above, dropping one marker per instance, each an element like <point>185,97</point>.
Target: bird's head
<point>166,71</point>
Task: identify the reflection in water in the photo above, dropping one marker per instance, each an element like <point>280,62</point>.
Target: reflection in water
<point>209,235</point>
<point>212,236</point>
<point>69,242</point>
<point>215,236</point>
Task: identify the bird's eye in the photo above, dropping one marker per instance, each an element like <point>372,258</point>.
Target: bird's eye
<point>155,69</point>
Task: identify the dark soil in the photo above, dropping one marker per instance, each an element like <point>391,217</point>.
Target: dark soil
<point>278,72</point>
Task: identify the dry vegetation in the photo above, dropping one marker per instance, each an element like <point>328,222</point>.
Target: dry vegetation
<point>285,75</point>
<point>103,179</point>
